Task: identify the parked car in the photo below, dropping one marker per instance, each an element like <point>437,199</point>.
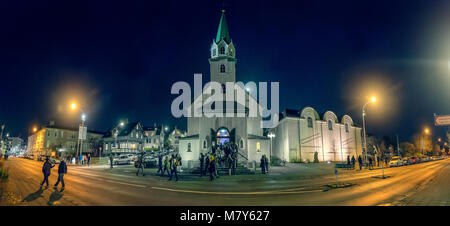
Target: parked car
<point>396,161</point>
<point>407,161</point>
<point>413,160</point>
<point>123,159</point>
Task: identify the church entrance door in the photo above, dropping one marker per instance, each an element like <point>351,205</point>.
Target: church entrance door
<point>223,136</point>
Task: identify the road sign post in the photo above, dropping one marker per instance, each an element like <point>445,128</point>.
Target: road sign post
<point>442,120</point>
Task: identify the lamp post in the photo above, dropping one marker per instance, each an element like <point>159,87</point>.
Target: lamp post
<point>372,100</point>
<point>73,106</point>
<point>425,132</point>
<point>271,135</point>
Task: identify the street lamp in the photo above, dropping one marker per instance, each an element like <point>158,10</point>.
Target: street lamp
<point>425,132</point>
<point>372,100</point>
<point>271,135</point>
<point>73,106</point>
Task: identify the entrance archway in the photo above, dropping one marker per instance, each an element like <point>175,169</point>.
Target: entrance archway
<point>223,136</point>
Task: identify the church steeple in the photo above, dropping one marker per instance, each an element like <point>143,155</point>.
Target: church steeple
<point>222,31</point>
<point>223,54</point>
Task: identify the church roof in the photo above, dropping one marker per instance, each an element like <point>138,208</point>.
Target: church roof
<point>222,31</point>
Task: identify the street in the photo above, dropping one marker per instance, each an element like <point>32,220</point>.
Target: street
<point>419,184</point>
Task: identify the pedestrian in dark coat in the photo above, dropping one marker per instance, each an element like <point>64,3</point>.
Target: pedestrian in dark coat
<point>370,163</point>
<point>207,162</point>
<point>89,159</point>
<point>348,161</point>
<point>353,161</point>
<point>266,162</point>
<point>202,163</point>
<point>263,165</point>
<point>46,170</point>
<point>111,161</point>
<point>360,162</point>
<point>160,164</point>
<point>378,160</point>
<point>62,169</point>
<point>140,164</point>
<point>166,166</point>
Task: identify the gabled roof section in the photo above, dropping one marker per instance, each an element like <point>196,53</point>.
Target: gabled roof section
<point>222,31</point>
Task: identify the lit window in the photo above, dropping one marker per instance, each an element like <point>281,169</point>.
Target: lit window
<point>310,122</point>
<point>330,125</point>
<point>258,147</point>
<point>222,68</point>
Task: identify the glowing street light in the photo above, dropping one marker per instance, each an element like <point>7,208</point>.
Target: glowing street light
<point>372,100</point>
<point>34,129</point>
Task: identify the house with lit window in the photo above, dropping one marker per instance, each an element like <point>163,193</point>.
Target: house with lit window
<point>124,138</point>
<point>154,137</point>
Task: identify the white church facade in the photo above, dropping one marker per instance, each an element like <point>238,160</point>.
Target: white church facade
<point>298,134</point>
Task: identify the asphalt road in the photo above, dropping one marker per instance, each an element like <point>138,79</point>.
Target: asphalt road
<point>421,184</point>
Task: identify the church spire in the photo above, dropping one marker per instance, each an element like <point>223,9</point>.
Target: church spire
<point>222,31</point>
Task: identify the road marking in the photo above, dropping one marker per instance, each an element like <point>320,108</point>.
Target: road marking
<point>238,193</point>
<point>135,185</point>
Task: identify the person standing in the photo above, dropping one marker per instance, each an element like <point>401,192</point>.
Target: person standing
<point>140,164</point>
<point>89,159</point>
<point>263,165</point>
<point>353,162</point>
<point>173,167</point>
<point>370,163</point>
<point>212,167</point>
<point>360,162</point>
<point>266,161</point>
<point>378,160</point>
<point>348,161</point>
<point>62,169</point>
<point>111,161</point>
<point>202,163</point>
<point>207,162</point>
<point>46,170</point>
<point>160,164</point>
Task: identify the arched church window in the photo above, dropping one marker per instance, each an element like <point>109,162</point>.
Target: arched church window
<point>346,127</point>
<point>241,144</point>
<point>222,50</point>
<point>310,122</point>
<point>231,52</point>
<point>258,147</point>
<point>330,125</point>
<point>189,147</point>
<point>222,68</point>
<point>205,144</point>
<point>214,52</point>
<point>224,88</point>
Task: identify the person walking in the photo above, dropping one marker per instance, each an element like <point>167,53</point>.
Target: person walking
<point>111,161</point>
<point>46,170</point>
<point>206,164</point>
<point>173,166</point>
<point>89,159</point>
<point>378,161</point>
<point>360,162</point>
<point>202,163</point>
<point>212,167</point>
<point>348,162</point>
<point>160,164</point>
<point>62,169</point>
<point>353,162</point>
<point>140,164</point>
<point>370,163</point>
<point>166,166</point>
<point>263,165</point>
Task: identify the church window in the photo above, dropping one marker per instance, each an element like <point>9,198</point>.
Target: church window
<point>346,127</point>
<point>241,143</point>
<point>310,122</point>
<point>231,52</point>
<point>189,147</point>
<point>222,68</point>
<point>224,88</point>
<point>222,50</point>
<point>330,125</point>
<point>205,144</point>
<point>214,52</point>
<point>258,147</point>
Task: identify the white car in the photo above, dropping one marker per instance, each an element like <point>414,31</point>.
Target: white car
<point>396,161</point>
<point>123,159</point>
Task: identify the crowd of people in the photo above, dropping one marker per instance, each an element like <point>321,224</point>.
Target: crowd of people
<point>372,160</point>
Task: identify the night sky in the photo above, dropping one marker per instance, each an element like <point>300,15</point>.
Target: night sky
<point>120,59</point>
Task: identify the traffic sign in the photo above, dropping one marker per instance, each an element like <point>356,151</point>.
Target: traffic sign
<point>442,120</point>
